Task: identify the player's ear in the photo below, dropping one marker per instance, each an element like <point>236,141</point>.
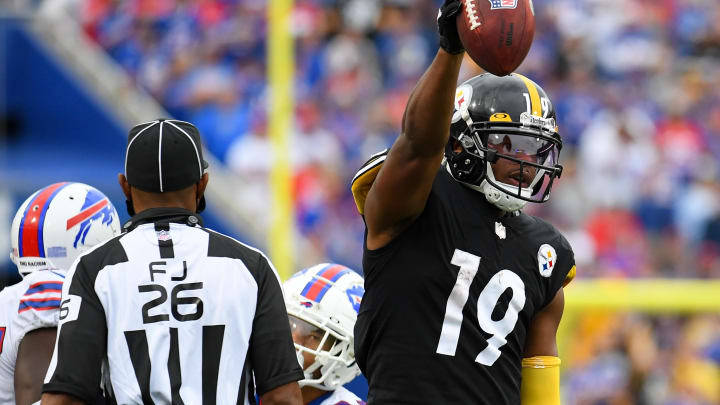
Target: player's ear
<point>128,194</point>
<point>202,185</point>
<point>122,180</point>
<point>199,193</point>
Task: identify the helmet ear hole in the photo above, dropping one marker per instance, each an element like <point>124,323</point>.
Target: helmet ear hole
<point>456,147</point>
<point>464,159</point>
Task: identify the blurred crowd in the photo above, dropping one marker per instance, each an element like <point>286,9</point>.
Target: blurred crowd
<point>636,85</point>
<point>637,359</point>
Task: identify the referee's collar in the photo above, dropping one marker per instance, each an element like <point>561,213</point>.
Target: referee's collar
<point>164,214</point>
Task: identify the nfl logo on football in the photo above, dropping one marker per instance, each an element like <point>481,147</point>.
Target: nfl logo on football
<point>501,4</point>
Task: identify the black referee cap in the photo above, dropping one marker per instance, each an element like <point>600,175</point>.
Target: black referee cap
<point>164,155</point>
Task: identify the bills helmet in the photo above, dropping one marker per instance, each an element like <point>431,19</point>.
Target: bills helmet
<point>323,301</point>
<point>58,223</point>
<point>508,120</point>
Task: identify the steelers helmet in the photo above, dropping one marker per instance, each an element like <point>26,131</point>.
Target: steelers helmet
<point>504,140</point>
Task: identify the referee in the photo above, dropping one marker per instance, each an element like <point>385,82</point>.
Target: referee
<point>171,312</point>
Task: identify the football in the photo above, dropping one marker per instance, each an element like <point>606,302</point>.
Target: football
<point>497,34</point>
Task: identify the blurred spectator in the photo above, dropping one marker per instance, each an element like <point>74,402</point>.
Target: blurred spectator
<point>617,155</point>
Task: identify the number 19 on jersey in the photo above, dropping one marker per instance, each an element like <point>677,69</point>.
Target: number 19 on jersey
<point>488,299</point>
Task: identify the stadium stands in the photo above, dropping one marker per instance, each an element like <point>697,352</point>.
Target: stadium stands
<point>636,85</point>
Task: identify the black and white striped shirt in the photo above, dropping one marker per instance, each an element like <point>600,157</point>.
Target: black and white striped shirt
<point>174,313</point>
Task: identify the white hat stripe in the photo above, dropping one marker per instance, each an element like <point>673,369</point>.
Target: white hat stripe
<point>160,155</point>
<point>127,150</point>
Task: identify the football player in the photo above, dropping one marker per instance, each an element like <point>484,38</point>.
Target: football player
<point>322,303</point>
<point>464,291</point>
<point>51,228</point>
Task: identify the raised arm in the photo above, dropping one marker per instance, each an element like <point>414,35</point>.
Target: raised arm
<point>403,184</point>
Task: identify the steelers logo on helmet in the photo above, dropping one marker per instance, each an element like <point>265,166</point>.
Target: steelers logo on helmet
<point>504,140</point>
<point>463,95</point>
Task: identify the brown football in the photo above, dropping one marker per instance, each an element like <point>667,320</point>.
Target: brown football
<point>497,34</point>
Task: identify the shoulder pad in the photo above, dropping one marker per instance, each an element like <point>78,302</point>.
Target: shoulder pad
<point>365,177</point>
<point>39,305</point>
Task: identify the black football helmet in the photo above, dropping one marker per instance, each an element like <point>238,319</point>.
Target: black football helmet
<point>508,118</point>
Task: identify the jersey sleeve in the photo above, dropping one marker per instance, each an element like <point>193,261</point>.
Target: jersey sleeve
<point>564,271</point>
<point>82,335</point>
<point>272,352</point>
<point>39,306</point>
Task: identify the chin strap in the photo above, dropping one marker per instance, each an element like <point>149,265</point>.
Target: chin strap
<point>493,195</point>
<point>500,198</point>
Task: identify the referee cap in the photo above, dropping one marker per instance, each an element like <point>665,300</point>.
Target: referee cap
<point>164,155</point>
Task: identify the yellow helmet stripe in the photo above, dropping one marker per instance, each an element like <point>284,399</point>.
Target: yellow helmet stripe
<point>535,105</point>
<point>570,276</point>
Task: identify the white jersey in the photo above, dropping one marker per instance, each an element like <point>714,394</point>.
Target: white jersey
<point>31,304</point>
<point>178,313</point>
<point>340,396</point>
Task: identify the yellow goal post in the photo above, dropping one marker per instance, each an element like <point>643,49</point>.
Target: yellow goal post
<point>280,113</point>
<point>648,296</point>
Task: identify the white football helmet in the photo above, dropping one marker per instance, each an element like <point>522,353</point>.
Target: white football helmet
<point>327,296</point>
<point>58,223</point>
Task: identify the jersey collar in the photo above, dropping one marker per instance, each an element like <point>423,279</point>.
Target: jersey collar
<point>152,215</point>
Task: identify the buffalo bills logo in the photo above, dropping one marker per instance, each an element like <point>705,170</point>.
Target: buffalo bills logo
<point>95,208</point>
<point>355,294</point>
<point>306,304</point>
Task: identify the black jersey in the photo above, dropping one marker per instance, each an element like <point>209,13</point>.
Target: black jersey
<point>448,302</point>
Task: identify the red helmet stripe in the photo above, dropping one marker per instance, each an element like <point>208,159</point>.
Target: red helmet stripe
<point>316,289</point>
<point>87,213</point>
<point>31,225</point>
